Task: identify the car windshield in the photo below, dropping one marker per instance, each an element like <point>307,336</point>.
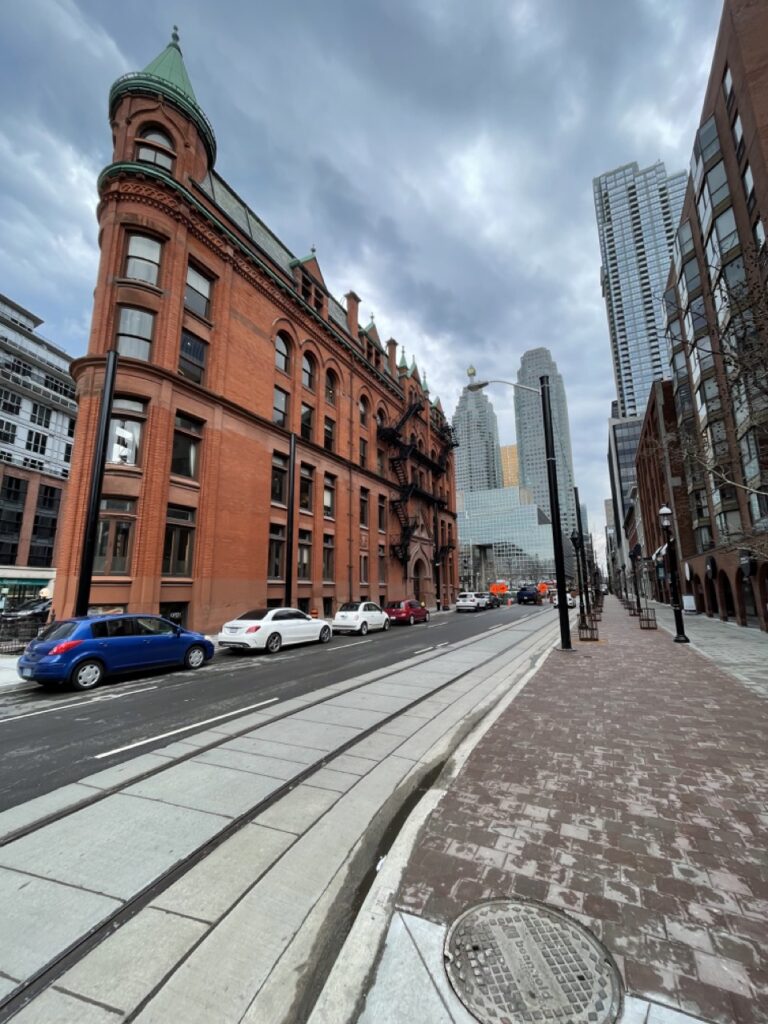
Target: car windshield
<point>350,606</point>
<point>58,630</point>
<point>257,613</point>
<point>464,596</point>
<point>481,595</point>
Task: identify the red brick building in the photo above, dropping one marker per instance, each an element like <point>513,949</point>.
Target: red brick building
<point>717,329</point>
<point>264,449</point>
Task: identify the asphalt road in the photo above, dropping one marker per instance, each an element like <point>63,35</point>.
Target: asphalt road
<point>48,740</point>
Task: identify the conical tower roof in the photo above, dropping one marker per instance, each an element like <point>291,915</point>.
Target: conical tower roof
<point>169,65</point>
<point>167,76</point>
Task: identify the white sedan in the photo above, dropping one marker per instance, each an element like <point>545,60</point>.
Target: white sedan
<point>569,600</point>
<point>359,617</point>
<point>271,628</point>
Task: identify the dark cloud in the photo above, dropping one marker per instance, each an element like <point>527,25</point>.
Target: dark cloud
<point>440,155</point>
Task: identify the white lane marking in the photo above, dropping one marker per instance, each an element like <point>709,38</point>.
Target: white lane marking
<point>436,625</point>
<point>445,643</point>
<point>79,704</point>
<point>184,728</point>
<point>424,650</point>
<point>355,644</point>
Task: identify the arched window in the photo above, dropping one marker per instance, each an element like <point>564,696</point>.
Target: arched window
<point>308,371</point>
<point>282,353</point>
<point>155,147</point>
<point>331,387</point>
<point>381,418</point>
<point>364,407</point>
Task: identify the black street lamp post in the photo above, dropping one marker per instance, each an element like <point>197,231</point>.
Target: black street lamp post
<point>554,501</point>
<point>665,515</point>
<point>576,541</point>
<point>582,547</point>
<point>634,556</point>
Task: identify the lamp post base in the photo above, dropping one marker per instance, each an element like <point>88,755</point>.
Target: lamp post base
<point>682,639</point>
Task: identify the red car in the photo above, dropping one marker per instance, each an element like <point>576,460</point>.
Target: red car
<point>406,611</point>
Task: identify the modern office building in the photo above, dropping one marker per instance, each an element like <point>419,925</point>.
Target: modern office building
<point>623,436</point>
<point>717,329</point>
<point>536,363</point>
<point>37,425</point>
<point>637,215</point>
<point>478,462</point>
<point>265,448</point>
<point>510,470</point>
<point>503,535</point>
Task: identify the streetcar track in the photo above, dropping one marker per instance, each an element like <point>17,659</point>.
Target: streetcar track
<point>77,950</point>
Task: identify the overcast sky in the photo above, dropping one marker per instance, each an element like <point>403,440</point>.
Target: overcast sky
<point>439,154</point>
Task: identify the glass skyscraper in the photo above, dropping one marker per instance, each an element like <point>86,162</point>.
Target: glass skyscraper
<point>537,363</point>
<point>638,212</point>
<point>478,461</point>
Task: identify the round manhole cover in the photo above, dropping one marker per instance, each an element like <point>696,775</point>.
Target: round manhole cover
<point>519,960</point>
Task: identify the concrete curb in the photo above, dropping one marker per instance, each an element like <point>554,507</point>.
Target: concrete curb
<point>343,994</point>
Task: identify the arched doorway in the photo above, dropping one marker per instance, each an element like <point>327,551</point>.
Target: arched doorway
<point>725,596</point>
<point>745,600</point>
<point>712,605</point>
<point>698,595</point>
<point>762,595</point>
<point>419,569</point>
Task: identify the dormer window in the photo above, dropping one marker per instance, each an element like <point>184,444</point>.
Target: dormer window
<point>155,147</point>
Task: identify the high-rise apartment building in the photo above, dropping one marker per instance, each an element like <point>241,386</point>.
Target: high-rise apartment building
<point>478,462</point>
<point>536,363</point>
<point>637,215</point>
<point>510,470</point>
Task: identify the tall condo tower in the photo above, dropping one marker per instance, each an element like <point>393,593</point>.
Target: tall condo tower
<point>637,215</point>
<point>478,461</point>
<point>537,363</point>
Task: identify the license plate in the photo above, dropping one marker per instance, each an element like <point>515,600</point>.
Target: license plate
<point>232,629</point>
<point>26,673</point>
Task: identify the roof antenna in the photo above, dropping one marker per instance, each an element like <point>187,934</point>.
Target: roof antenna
<point>175,35</point>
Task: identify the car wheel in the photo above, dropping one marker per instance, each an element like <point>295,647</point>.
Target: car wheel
<point>426,617</point>
<point>410,620</point>
<point>88,674</point>
<point>386,625</point>
<point>363,628</point>
<point>325,634</point>
<point>274,643</point>
<point>194,657</point>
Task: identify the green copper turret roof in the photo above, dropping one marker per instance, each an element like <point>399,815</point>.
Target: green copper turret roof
<point>166,75</point>
<point>169,65</point>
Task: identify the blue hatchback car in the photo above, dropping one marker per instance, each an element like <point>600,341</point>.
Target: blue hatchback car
<point>82,651</point>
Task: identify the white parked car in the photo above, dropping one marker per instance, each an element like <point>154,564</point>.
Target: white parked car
<point>359,617</point>
<point>271,629</point>
<point>469,602</point>
<point>571,603</point>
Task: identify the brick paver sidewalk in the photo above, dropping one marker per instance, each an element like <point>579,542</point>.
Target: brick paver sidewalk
<point>628,784</point>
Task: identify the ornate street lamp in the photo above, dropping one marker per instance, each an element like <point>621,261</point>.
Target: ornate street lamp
<point>665,516</point>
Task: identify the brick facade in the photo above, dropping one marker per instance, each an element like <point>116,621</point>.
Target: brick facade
<point>214,466</point>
